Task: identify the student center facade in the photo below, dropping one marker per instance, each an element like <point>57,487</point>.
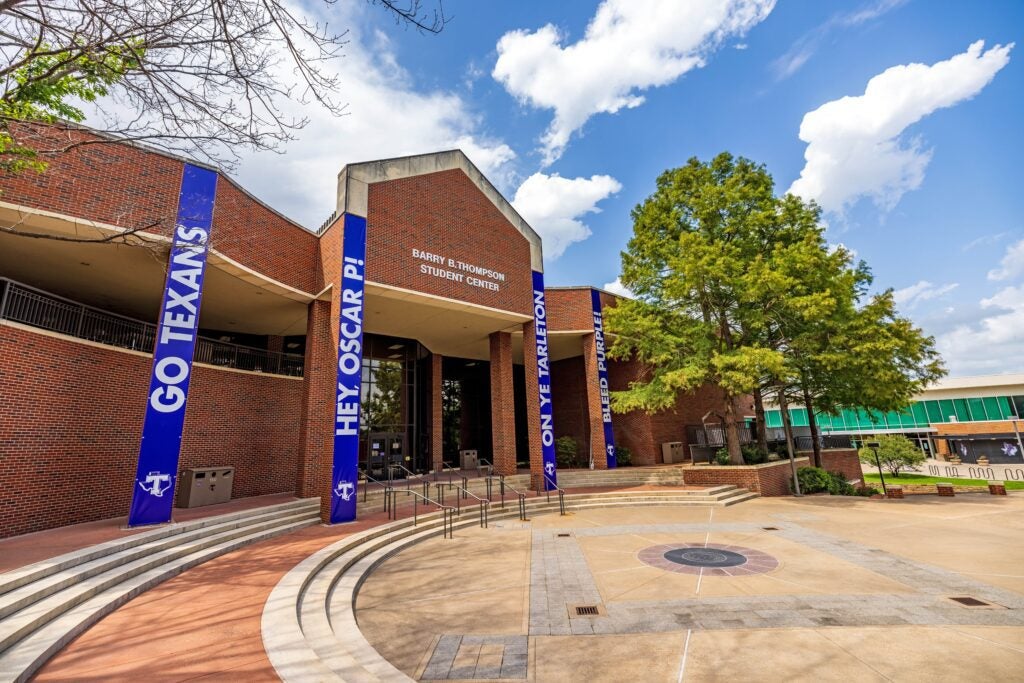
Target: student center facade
<point>208,330</point>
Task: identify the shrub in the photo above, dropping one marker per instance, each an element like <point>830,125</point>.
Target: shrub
<point>722,457</point>
<point>813,479</point>
<point>566,452</point>
<point>895,452</point>
<point>838,486</point>
<point>868,491</point>
<point>623,457</point>
<point>752,455</point>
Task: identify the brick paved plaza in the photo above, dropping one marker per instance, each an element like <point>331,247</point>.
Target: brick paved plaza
<point>862,591</point>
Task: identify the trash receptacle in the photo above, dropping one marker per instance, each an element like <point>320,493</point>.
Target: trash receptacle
<point>672,451</point>
<point>468,459</point>
<point>200,486</point>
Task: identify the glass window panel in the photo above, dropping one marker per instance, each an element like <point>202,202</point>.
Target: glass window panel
<point>892,420</point>
<point>934,411</point>
<point>773,418</point>
<point>962,412</point>
<point>920,414</point>
<point>907,418</point>
<point>948,411</point>
<point>976,406</point>
<point>993,409</point>
<point>799,417</point>
<point>1018,406</point>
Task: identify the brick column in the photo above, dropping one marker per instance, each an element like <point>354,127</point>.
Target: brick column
<point>533,406</point>
<point>594,418</point>
<point>436,419</point>
<point>503,410</point>
<point>315,447</point>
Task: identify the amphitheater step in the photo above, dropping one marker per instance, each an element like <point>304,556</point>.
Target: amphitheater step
<point>309,627</point>
<point>71,592</point>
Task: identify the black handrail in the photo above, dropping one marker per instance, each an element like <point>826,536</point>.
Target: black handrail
<point>483,504</point>
<point>561,494</point>
<point>503,486</point>
<point>447,511</point>
<point>387,488</point>
<point>30,306</point>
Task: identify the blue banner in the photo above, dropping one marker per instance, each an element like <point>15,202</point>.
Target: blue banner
<point>155,476</point>
<point>345,472</point>
<point>602,379</point>
<point>547,421</point>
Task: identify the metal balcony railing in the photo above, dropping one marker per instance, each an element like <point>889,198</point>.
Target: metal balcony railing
<point>30,306</point>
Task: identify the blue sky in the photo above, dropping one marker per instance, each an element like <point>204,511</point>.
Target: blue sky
<point>573,124</point>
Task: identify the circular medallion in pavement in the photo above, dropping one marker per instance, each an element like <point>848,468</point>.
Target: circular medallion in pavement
<point>709,559</point>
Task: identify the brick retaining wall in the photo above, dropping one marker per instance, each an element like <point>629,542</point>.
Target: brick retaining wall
<point>71,416</point>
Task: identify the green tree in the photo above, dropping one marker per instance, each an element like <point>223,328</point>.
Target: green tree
<point>693,240</point>
<point>896,453</point>
<point>739,288</point>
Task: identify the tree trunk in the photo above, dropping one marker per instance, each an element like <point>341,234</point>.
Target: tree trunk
<point>760,428</point>
<point>813,423</point>
<point>788,429</point>
<point>732,434</point>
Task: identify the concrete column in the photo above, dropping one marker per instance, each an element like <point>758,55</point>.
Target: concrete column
<point>594,420</point>
<point>436,419</point>
<point>503,410</point>
<point>317,418</point>
<point>533,406</point>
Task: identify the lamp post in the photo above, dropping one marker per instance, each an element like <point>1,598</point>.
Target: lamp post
<point>873,445</point>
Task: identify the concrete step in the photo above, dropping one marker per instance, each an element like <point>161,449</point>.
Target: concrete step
<point>22,661</point>
<point>309,626</point>
<point>33,572</point>
<point>40,615</point>
<point>24,595</point>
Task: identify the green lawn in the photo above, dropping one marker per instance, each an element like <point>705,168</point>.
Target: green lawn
<point>925,479</point>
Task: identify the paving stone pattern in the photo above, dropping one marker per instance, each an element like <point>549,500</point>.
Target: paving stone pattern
<point>552,592</point>
<point>561,579</point>
<point>477,657</point>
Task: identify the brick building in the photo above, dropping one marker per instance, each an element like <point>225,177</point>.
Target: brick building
<point>451,355</point>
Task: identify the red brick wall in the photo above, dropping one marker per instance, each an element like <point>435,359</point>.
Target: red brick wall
<point>503,415</point>
<point>844,460</point>
<point>71,417</point>
<point>768,480</point>
<point>569,401</point>
<point>131,187</point>
<point>444,213</point>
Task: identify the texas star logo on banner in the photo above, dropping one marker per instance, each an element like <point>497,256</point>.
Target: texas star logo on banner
<point>547,423</point>
<point>602,378</point>
<point>350,364</point>
<point>152,495</point>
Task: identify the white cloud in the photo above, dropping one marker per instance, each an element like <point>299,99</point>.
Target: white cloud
<point>854,145</point>
<point>993,345</point>
<point>921,291</point>
<point>1012,264</point>
<point>629,46</point>
<point>984,240</point>
<point>616,287</point>
<point>553,206</point>
<point>386,116</point>
<point>806,45</point>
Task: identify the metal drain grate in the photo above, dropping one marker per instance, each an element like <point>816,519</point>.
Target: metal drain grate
<point>586,611</point>
<point>971,602</point>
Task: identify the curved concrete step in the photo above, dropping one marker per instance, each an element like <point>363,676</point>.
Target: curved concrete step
<point>309,627</point>
<point>22,661</point>
<point>33,572</point>
<point>48,604</point>
<point>30,592</point>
